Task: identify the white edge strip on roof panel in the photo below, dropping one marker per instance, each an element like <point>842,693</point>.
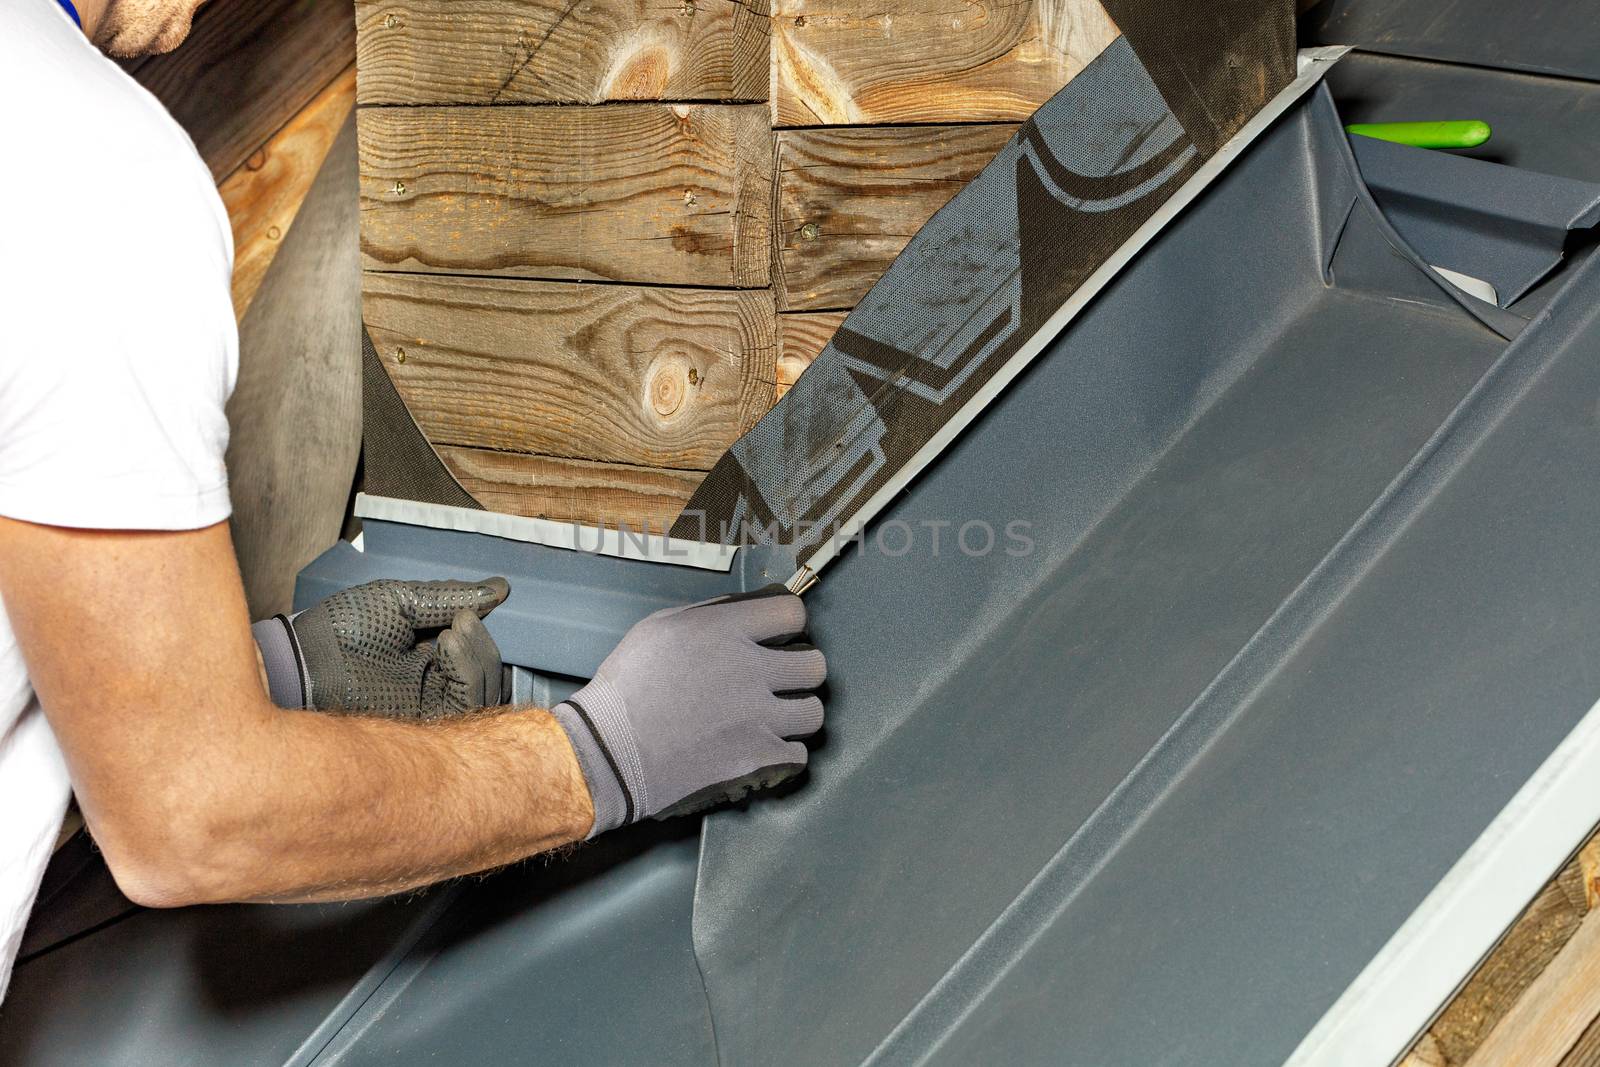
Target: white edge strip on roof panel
<point>1459,923</point>
<point>576,537</point>
<point>1311,64</point>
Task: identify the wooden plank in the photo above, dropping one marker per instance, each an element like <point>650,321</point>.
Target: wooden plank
<point>1589,863</point>
<point>295,415</point>
<point>850,62</point>
<point>1547,1022</point>
<point>1424,1054</point>
<point>570,490</point>
<point>1515,964</point>
<point>648,376</point>
<point>801,339</point>
<point>850,199</point>
<point>1586,1053</point>
<point>263,196</point>
<point>247,68</point>
<point>561,51</point>
<point>674,194</point>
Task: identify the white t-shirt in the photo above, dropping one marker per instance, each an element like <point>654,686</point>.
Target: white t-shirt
<point>117,353</point>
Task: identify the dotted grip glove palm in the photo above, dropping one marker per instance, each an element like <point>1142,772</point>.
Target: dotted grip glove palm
<point>404,649</point>
<point>697,706</point>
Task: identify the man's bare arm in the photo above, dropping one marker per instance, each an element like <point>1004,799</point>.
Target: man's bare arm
<point>198,789</point>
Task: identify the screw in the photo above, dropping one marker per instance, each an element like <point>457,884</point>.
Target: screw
<point>399,188</point>
<point>399,355</point>
<point>810,231</point>
<point>273,233</point>
<point>390,22</point>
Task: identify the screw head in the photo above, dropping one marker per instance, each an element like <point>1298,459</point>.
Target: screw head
<point>390,22</point>
<point>273,233</point>
<point>399,355</point>
<point>810,231</point>
<point>399,188</point>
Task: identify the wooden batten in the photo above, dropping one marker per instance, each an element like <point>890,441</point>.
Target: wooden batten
<point>674,194</point>
<point>264,195</point>
<point>849,199</point>
<point>1557,1015</point>
<point>248,67</point>
<point>650,377</point>
<point>905,61</point>
<point>1532,1001</point>
<point>554,51</point>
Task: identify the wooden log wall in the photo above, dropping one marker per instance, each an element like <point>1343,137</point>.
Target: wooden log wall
<point>607,235</point>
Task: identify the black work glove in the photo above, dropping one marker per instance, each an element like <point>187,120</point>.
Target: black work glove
<point>368,649</point>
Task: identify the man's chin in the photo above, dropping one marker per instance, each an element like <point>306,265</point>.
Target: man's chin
<point>141,38</point>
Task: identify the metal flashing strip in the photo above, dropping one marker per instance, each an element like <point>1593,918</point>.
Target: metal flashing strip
<point>1391,1001</point>
<point>622,543</point>
<point>1311,65</point>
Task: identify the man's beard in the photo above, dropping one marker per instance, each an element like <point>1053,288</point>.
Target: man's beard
<point>144,27</point>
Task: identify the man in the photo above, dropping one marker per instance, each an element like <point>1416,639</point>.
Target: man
<point>127,667</point>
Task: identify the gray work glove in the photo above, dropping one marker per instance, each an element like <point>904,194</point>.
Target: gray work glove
<point>697,706</point>
<point>367,649</point>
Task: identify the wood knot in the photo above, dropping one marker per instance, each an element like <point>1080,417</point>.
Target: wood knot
<point>667,389</point>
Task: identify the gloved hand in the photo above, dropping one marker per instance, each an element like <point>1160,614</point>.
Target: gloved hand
<point>697,706</point>
<point>363,649</point>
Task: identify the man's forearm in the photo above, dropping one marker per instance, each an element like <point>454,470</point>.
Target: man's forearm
<point>197,789</point>
<point>319,807</point>
<point>302,806</point>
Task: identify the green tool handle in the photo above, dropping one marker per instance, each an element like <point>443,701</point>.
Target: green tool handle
<point>1466,133</point>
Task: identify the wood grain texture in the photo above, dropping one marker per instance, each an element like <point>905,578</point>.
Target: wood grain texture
<point>1586,1053</point>
<point>571,490</point>
<point>649,376</point>
<point>1425,1053</point>
<point>673,194</point>
<point>247,68</point>
<point>850,199</point>
<point>1589,864</point>
<point>1528,947</point>
<point>295,415</point>
<point>1547,1022</point>
<point>801,339</point>
<point>560,51</point>
<point>263,196</point>
<point>849,62</point>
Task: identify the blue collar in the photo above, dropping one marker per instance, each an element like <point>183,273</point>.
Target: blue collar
<point>66,5</point>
